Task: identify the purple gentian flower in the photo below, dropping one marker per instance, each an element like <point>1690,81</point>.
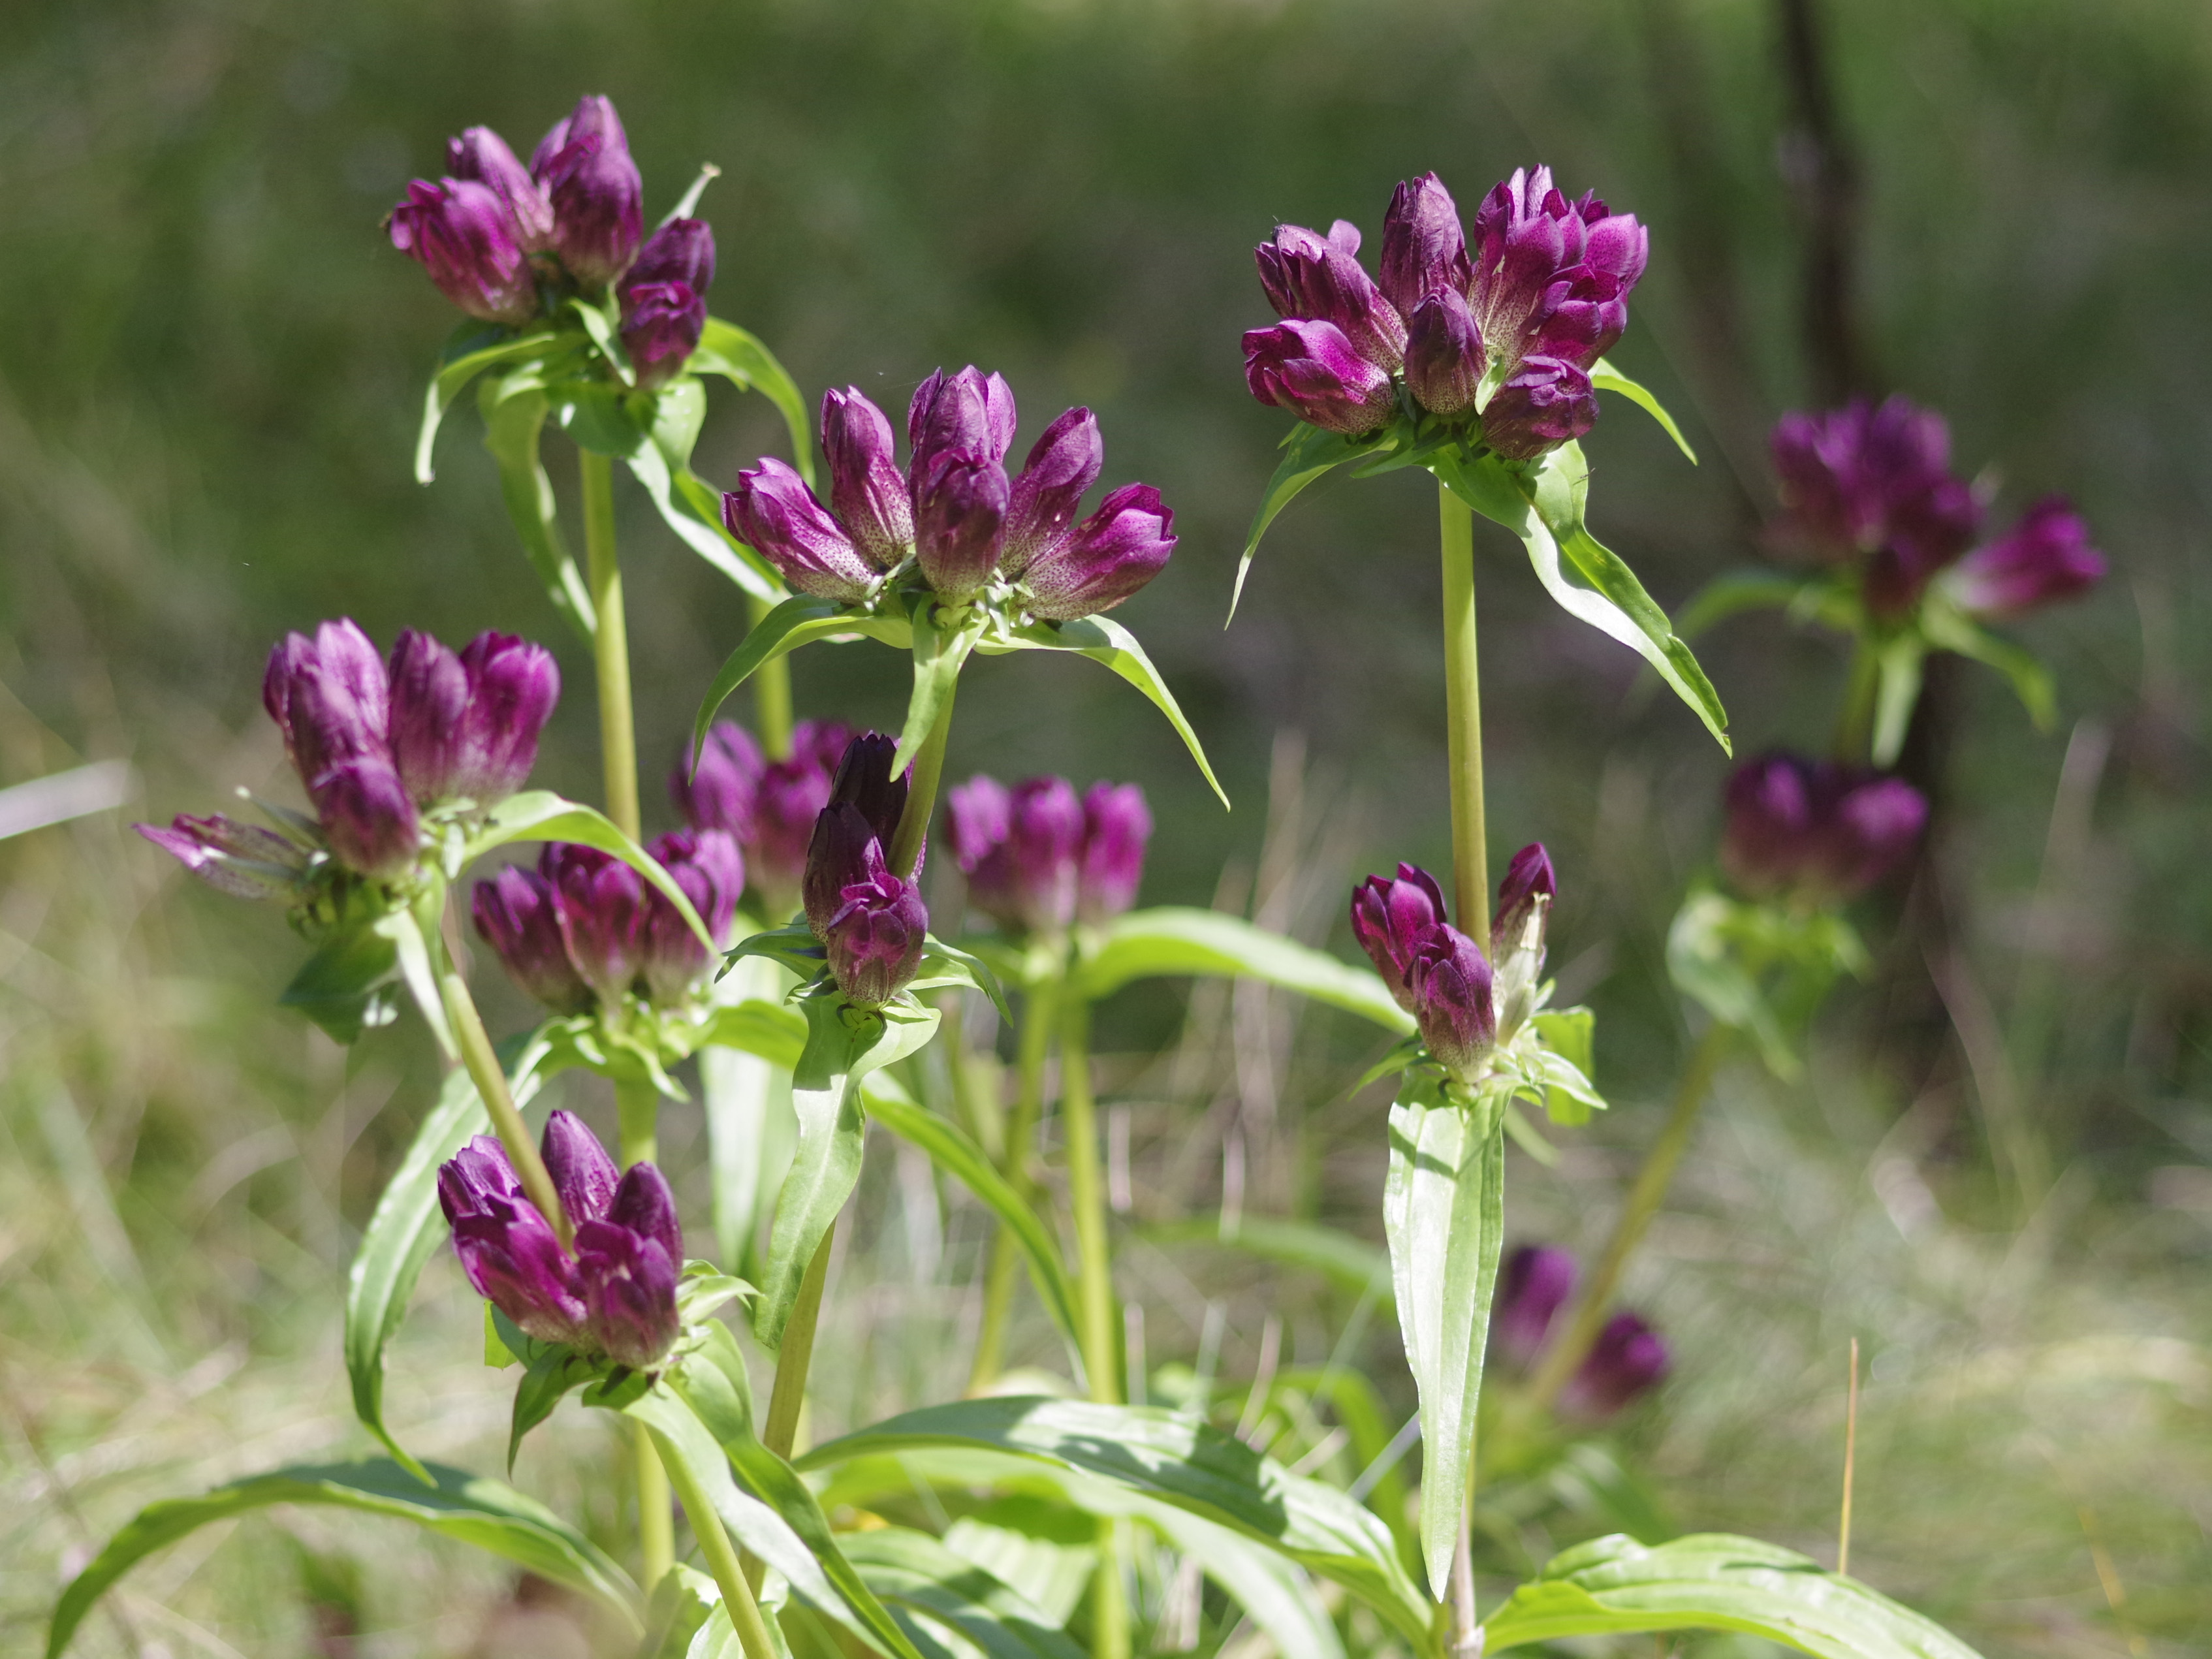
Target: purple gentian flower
<point>1451,982</point>
<point>1021,850</point>
<point>1116,825</point>
<point>584,166</point>
<point>865,804</point>
<point>867,491</point>
<point>517,913</point>
<point>662,323</point>
<point>875,936</point>
<point>464,235</point>
<point>1628,1358</point>
<point>2044,558</point>
<point>332,700</point>
<point>774,512</point>
<point>1099,563</point>
<point>1389,918</point>
<point>482,155</point>
<point>770,806</point>
<point>466,726</point>
<point>959,505</point>
<point>970,413</point>
<point>242,860</point>
<point>1815,831</point>
<point>600,902</point>
<point>711,871</point>
<point>1547,402</point>
<point>1311,369</point>
<point>1533,1285</point>
<point>1310,278</point>
<point>1064,462</point>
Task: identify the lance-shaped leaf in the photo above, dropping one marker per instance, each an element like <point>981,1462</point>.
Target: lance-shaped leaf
<point>1166,1456</point>
<point>457,1505</point>
<point>843,1045</point>
<point>1543,506</point>
<point>541,815</point>
<point>1308,453</point>
<point>911,1569</point>
<point>663,465</point>
<point>346,985</point>
<point>1710,1581</point>
<point>1949,628</point>
<point>1739,591</point>
<point>1570,1035</point>
<point>941,645</point>
<point>514,409</point>
<point>1105,640</point>
<point>1899,663</point>
<point>1443,1210</point>
<point>1178,939</point>
<point>799,620</point>
<point>1604,377</point>
<point>471,349</point>
<point>739,358</point>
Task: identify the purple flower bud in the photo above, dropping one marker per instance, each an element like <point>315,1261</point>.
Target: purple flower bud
<point>662,323</point>
<point>1443,354</point>
<point>1584,315</point>
<point>959,503</point>
<point>865,804</point>
<point>601,903</point>
<point>2045,557</point>
<point>863,779</point>
<point>368,817</point>
<point>722,791</point>
<point>1104,560</point>
<point>1064,462</point>
<point>681,251</point>
<point>1628,1358</point>
<point>1020,850</point>
<point>707,866</point>
<point>482,155</point>
<point>1546,403</point>
<point>330,697</point>
<point>1552,277</point>
<point>774,512</point>
<point>875,936</point>
<point>629,1282</point>
<point>1525,895</point>
<point>792,795</point>
<point>241,860</point>
<point>977,820</point>
<point>518,915</point>
<point>867,492</point>
<point>585,167</point>
<point>1877,482</point>
<point>1116,825</point>
<point>970,411</point>
<point>1815,831</point>
<point>1309,278</point>
<point>584,1177</point>
<point>1389,917</point>
<point>1424,249</point>
<point>1311,369</point>
<point>462,234</point>
<point>1533,1285</point>
<point>509,1250</point>
<point>1449,978</point>
<point>466,726</point>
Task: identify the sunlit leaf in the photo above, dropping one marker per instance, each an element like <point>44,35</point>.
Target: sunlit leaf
<point>912,1570</point>
<point>1175,940</point>
<point>1604,377</point>
<point>1105,640</point>
<point>798,621</point>
<point>514,419</point>
<point>1309,452</point>
<point>344,987</point>
<point>463,360</point>
<point>740,358</point>
<point>541,815</point>
<point>941,646</point>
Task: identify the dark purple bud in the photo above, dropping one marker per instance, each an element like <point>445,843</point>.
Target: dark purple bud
<point>681,251</point>
<point>792,795</point>
<point>1025,875</point>
<point>707,866</point>
<point>1424,249</point>
<point>482,155</point>
<point>971,411</point>
<point>1449,978</point>
<point>1533,1285</point>
<point>978,821</point>
<point>241,860</point>
<point>1862,480</point>
<point>1104,560</point>
<point>722,791</point>
<point>330,697</point>
<point>875,936</point>
<point>958,505</point>
<point>1064,462</point>
<point>630,1291</point>
<point>1582,315</point>
<point>517,914</point>
<point>1552,277</point>
<point>429,705</point>
<point>662,323</point>
<point>2045,557</point>
<point>1524,896</point>
<point>1443,354</point>
<point>509,1251</point>
<point>867,491</point>
<point>644,1205</point>
<point>865,804</point>
<point>1815,831</point>
<point>1116,825</point>
<point>1309,278</point>
<point>585,167</point>
<point>1545,404</point>
<point>863,779</point>
<point>774,512</point>
<point>1389,916</point>
<point>584,1177</point>
<point>1628,1358</point>
<point>1926,531</point>
<point>466,726</point>
<point>368,817</point>
<point>462,234</point>
<point>601,903</point>
<point>1311,369</point>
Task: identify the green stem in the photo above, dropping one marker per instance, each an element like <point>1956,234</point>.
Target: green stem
<point>1030,1059</point>
<point>609,641</point>
<point>771,693</point>
<point>780,1431</point>
<point>1643,1203</point>
<point>1463,715</point>
<point>1855,725</point>
<point>922,775</point>
<point>721,1559</point>
<point>484,1070</point>
<point>637,1106</point>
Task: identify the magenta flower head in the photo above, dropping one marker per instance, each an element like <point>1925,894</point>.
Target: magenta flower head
<point>1116,825</point>
<point>1546,402</point>
<point>616,1294</point>
<point>768,806</point>
<point>1102,560</point>
<point>464,235</point>
<point>1533,1285</point>
<point>242,860</point>
<point>2045,557</point>
<point>773,511</point>
<point>1628,1358</point>
<point>332,699</point>
<point>708,866</point>
<point>517,913</point>
<point>482,155</point>
<point>1312,278</point>
<point>969,413</point>
<point>1816,832</point>
<point>466,726</point>
<point>1021,850</point>
<point>1552,276</point>
<point>874,938</point>
<point>1389,918</point>
<point>1311,369</point>
<point>721,790</point>
<point>1450,982</point>
<point>867,491</point>
<point>960,505</point>
<point>584,166</point>
<point>865,806</point>
<point>601,904</point>
<point>1063,464</point>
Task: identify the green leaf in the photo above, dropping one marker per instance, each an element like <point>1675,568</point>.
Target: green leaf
<point>460,1505</point>
<point>1568,1035</point>
<point>680,1605</point>
<point>405,933</point>
<point>912,1569</point>
<point>1177,940</point>
<point>799,620</point>
<point>1309,452</point>
<point>1543,506</point>
<point>461,362</point>
<point>742,1093</point>
<point>941,645</point>
<point>944,965</point>
<point>1194,1467</point>
<point>345,986</point>
<point>1898,663</point>
<point>661,459</point>
<point>514,420</point>
<point>1604,377</point>
<point>739,358</point>
<point>1358,1409</point>
<point>1949,628</point>
<point>1762,968</point>
<point>553,1371</point>
<point>1443,1209</point>
<point>1739,591</point>
<point>1709,1581</point>
<point>1103,639</point>
<point>541,815</point>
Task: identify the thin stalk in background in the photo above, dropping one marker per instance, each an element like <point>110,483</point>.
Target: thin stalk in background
<point>923,773</point>
<point>609,641</point>
<point>721,1559</point>
<point>1855,722</point>
<point>1031,1059</point>
<point>771,693</point>
<point>484,1070</point>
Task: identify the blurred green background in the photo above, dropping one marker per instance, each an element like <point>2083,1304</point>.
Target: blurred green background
<point>210,374</point>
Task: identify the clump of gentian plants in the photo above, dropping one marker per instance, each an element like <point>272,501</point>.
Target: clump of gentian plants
<point>780,941</point>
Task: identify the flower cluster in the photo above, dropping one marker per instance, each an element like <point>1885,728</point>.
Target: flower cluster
<point>664,301</point>
<point>586,929</point>
<point>1038,858</point>
<point>1870,486</point>
<point>1466,1003</point>
<point>870,918</point>
<point>1628,1358</point>
<point>1505,325</point>
<point>770,806</point>
<point>954,511</point>
<point>615,1292</point>
<point>1816,832</point>
<point>380,748</point>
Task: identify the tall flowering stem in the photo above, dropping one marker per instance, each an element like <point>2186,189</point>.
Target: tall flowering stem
<point>609,642</point>
<point>771,693</point>
<point>1034,1050</point>
<point>714,1545</point>
<point>1463,707</point>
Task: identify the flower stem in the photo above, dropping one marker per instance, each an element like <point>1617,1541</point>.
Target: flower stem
<point>1463,714</point>
<point>1030,1059</point>
<point>1643,1203</point>
<point>928,766</point>
<point>780,1432</point>
<point>637,1106</point>
<point>1855,724</point>
<point>721,1559</point>
<point>609,641</point>
<point>771,693</point>
<point>483,1069</point>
